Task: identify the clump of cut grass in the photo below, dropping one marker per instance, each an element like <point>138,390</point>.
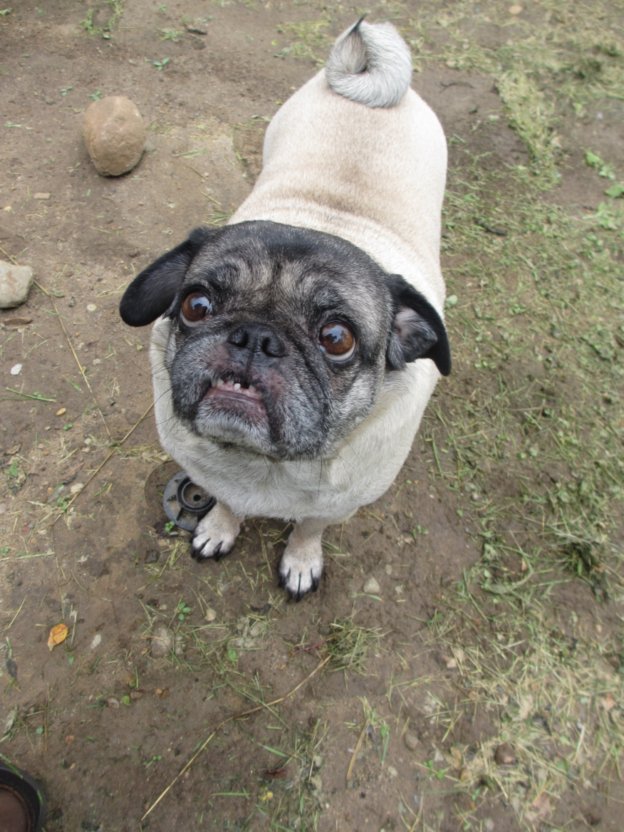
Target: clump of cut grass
<point>560,62</point>
<point>348,644</point>
<point>531,115</point>
<point>555,700</point>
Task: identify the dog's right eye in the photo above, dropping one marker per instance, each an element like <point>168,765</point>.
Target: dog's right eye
<point>195,308</point>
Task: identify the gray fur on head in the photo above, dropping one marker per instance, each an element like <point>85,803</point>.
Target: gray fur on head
<point>270,289</point>
<point>371,65</point>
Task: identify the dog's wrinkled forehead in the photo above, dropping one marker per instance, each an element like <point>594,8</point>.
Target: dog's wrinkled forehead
<point>271,266</point>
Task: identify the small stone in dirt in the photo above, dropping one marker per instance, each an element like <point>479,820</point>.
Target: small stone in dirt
<point>315,782</point>
<point>17,322</point>
<point>196,29</point>
<point>162,642</point>
<point>114,134</point>
<point>15,283</point>
<point>371,587</point>
<point>505,755</point>
<point>411,741</point>
<point>210,614</point>
<point>152,556</point>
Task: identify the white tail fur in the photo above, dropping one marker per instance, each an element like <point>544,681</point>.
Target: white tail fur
<point>370,64</point>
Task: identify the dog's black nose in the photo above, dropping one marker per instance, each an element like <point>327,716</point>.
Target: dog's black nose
<point>257,338</point>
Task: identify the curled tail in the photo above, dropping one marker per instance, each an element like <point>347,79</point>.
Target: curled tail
<point>370,64</point>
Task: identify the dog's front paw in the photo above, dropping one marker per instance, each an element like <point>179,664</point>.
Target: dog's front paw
<point>215,534</point>
<point>300,570</point>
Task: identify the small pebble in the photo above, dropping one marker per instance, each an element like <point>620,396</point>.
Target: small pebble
<point>411,741</point>
<point>61,411</point>
<point>196,29</point>
<point>17,322</point>
<point>316,784</point>
<point>96,641</point>
<point>162,641</point>
<point>210,614</point>
<point>505,755</point>
<point>16,369</point>
<point>15,283</point>
<point>371,587</point>
<point>114,135</point>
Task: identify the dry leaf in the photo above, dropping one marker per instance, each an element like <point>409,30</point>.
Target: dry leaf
<point>540,808</point>
<point>58,634</point>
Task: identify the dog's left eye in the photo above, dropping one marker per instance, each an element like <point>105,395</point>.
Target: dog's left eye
<point>337,341</point>
<point>195,308</point>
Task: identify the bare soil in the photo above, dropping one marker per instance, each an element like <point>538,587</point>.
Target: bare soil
<point>105,724</point>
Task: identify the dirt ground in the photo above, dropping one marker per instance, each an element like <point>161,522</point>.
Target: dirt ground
<point>342,686</point>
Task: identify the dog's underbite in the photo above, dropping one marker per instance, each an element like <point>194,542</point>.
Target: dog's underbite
<point>294,350</point>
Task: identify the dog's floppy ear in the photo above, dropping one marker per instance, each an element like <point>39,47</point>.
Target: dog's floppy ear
<point>417,329</point>
<point>152,291</point>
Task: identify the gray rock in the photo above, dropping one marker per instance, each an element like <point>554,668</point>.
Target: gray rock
<point>114,135</point>
<point>371,587</point>
<point>411,741</point>
<point>15,283</point>
<point>162,641</point>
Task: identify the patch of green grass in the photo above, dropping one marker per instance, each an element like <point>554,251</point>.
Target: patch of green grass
<point>309,40</point>
<point>536,328</point>
<point>554,702</point>
<point>161,63</point>
<point>546,66</point>
<point>102,19</point>
<point>173,35</point>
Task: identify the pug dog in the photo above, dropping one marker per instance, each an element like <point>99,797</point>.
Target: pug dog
<point>295,349</point>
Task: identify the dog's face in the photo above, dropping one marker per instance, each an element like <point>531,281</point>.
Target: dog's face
<point>280,337</point>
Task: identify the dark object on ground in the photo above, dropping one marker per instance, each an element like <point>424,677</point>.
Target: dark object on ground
<point>185,502</point>
<point>22,804</point>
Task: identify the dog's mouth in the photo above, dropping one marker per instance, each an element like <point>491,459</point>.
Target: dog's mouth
<point>235,396</point>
